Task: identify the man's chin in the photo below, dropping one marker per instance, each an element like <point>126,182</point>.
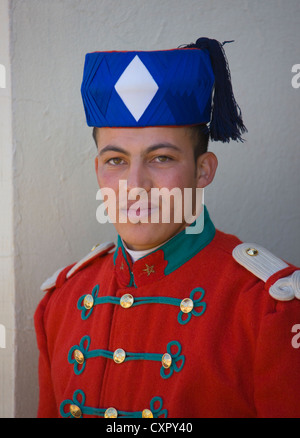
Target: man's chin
<point>142,236</point>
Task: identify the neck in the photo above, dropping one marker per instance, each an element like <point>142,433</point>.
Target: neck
<point>137,254</point>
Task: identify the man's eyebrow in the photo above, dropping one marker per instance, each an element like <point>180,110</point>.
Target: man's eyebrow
<point>112,148</point>
<point>164,145</point>
<point>152,148</point>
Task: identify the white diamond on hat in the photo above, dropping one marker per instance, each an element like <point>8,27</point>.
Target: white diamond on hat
<point>136,87</point>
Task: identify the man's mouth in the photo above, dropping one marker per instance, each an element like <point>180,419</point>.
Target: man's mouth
<point>136,212</point>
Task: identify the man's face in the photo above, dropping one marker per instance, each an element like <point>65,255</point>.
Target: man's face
<point>146,158</point>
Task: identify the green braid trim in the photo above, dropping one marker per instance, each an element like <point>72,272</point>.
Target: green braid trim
<point>198,303</point>
<point>165,373</point>
<point>79,402</point>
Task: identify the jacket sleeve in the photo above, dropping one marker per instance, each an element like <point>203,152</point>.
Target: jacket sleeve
<point>47,407</point>
<point>277,363</point>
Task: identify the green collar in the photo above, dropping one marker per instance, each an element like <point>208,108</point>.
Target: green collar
<point>179,249</point>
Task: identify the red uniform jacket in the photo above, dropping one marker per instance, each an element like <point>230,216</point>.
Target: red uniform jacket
<point>118,335</point>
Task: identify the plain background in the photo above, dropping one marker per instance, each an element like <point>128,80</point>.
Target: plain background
<point>48,185</point>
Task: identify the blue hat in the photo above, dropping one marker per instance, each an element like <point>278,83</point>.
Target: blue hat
<point>180,87</point>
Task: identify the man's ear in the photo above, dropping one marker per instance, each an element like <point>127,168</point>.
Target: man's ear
<point>206,166</point>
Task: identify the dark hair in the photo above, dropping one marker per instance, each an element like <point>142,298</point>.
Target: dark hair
<point>95,135</point>
<point>199,134</point>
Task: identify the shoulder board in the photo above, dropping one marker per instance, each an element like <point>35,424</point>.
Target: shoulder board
<point>96,251</point>
<point>266,266</point>
<point>51,281</point>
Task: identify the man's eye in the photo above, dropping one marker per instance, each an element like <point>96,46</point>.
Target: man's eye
<point>115,161</point>
<point>162,159</point>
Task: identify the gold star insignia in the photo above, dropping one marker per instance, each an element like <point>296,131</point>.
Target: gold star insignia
<point>149,269</point>
<point>122,266</point>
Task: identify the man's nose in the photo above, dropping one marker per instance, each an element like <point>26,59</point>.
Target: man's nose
<point>138,177</point>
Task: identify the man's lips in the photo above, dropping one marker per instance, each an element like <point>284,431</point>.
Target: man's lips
<point>137,205</point>
<point>138,211</point>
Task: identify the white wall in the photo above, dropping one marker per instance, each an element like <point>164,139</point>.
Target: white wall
<point>256,191</point>
<point>7,277</point>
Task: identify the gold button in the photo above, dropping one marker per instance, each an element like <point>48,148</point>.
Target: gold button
<point>126,301</point>
<point>88,301</point>
<point>166,360</point>
<point>75,411</point>
<point>147,413</point>
<point>78,356</point>
<point>186,305</point>
<point>119,355</point>
<point>110,413</point>
<point>252,251</point>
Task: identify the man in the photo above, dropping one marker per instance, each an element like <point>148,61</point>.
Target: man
<point>173,321</point>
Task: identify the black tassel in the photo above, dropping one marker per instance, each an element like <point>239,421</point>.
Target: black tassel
<point>226,119</point>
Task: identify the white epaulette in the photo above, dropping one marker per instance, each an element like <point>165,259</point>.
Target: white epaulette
<point>263,265</point>
<point>96,251</point>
